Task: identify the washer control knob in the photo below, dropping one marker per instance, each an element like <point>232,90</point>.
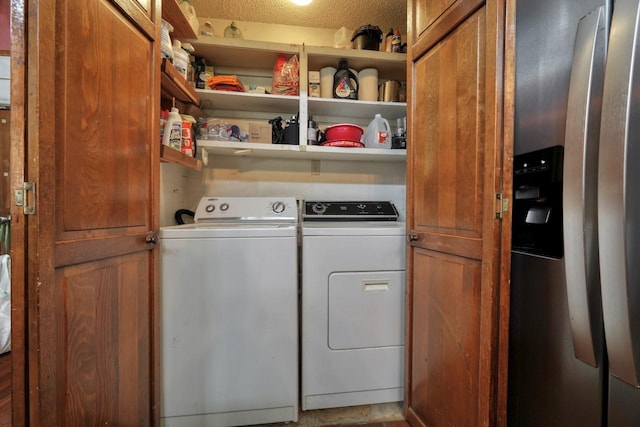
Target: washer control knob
<point>224,207</point>
<point>210,208</point>
<point>361,206</point>
<point>278,207</point>
<point>318,208</point>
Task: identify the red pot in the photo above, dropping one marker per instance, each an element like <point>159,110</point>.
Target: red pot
<point>343,132</point>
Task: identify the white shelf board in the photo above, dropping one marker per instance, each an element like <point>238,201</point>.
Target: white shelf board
<point>239,53</point>
<point>390,66</point>
<point>360,109</point>
<point>301,152</point>
<point>242,101</point>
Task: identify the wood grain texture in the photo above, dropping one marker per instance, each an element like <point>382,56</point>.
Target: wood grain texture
<point>448,116</point>
<point>446,353</point>
<point>18,223</point>
<point>93,304</point>
<point>5,390</point>
<point>426,12</point>
<point>5,161</point>
<point>507,189</point>
<point>458,257</point>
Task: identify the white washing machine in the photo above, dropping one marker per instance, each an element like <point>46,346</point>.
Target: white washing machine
<point>230,314</point>
<point>353,274</point>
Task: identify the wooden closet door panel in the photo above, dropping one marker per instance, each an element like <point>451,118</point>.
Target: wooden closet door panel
<point>432,20</point>
<point>102,121</point>
<point>428,11</point>
<point>457,254</point>
<point>93,113</point>
<point>448,156</point>
<point>103,332</point>
<point>5,157</point>
<point>446,353</point>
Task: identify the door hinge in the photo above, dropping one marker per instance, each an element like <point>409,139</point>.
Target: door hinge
<point>502,205</point>
<point>22,198</point>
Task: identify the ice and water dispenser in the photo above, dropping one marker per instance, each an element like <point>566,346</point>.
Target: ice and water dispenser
<point>537,203</point>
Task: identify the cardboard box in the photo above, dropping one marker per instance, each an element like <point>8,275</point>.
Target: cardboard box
<point>314,84</point>
<point>260,132</point>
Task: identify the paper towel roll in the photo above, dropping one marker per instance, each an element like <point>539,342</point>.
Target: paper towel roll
<point>326,82</point>
<point>368,78</point>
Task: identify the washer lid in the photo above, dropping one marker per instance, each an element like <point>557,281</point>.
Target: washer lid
<point>228,230</point>
<point>360,228</point>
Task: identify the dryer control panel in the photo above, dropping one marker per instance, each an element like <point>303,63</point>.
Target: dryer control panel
<point>349,211</point>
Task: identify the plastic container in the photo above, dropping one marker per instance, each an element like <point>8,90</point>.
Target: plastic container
<point>343,132</point>
<point>367,37</point>
<point>326,82</point>
<point>341,39</point>
<point>378,133</point>
<point>166,48</point>
<point>180,58</point>
<point>345,82</point>
<point>190,13</point>
<point>172,135</point>
<point>368,80</point>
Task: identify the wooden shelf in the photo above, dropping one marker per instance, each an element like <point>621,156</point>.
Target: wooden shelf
<point>300,152</point>
<point>174,85</point>
<point>172,13</point>
<point>168,154</point>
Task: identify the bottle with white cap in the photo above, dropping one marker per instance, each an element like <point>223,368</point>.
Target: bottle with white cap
<point>378,133</point>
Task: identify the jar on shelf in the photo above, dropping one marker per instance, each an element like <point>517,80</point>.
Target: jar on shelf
<point>233,32</point>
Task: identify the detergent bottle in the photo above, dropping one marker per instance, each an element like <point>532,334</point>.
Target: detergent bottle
<point>345,82</point>
<point>378,133</point>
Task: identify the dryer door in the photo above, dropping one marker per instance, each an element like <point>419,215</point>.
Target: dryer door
<point>366,309</point>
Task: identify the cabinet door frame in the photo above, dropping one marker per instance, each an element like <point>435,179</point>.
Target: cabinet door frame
<point>496,255</point>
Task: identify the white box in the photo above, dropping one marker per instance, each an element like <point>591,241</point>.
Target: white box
<point>314,84</point>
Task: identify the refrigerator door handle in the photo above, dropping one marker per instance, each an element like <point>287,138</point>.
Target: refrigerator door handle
<point>579,198</point>
<point>618,201</point>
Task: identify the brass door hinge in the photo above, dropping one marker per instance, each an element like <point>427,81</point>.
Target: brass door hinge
<point>22,198</point>
<point>502,205</point>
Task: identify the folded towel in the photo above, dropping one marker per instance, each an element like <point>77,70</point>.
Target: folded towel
<point>228,83</point>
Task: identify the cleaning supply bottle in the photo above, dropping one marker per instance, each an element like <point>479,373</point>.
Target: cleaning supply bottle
<point>172,135</point>
<point>396,42</point>
<point>345,82</point>
<point>378,133</point>
<point>180,58</point>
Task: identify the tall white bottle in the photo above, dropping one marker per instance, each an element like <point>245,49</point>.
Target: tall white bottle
<point>172,135</point>
<point>378,133</point>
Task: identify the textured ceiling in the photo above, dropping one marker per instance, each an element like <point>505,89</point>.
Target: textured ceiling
<point>320,13</point>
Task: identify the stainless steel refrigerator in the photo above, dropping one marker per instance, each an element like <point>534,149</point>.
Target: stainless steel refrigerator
<point>574,357</point>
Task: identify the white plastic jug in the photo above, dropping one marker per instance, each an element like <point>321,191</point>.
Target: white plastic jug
<point>190,13</point>
<point>378,133</point>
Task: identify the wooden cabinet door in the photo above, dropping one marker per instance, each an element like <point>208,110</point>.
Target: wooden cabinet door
<point>92,150</point>
<point>456,250</point>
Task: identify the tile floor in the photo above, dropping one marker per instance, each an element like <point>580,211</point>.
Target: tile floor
<point>379,415</point>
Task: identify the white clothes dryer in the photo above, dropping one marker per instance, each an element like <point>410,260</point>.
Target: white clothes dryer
<point>353,274</point>
<point>230,314</point>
